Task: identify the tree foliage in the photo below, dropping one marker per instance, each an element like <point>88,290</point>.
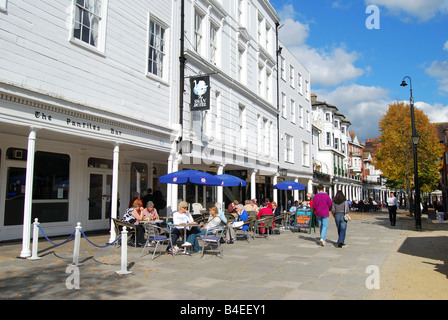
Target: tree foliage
<point>395,157</point>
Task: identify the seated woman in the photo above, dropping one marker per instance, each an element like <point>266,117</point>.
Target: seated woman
<point>134,215</point>
<point>192,239</point>
<point>181,216</point>
<point>238,224</point>
<point>150,213</point>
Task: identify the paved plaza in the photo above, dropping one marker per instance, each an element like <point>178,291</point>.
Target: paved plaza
<point>288,266</point>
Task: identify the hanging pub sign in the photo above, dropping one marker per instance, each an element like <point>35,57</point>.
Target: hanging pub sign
<point>200,93</point>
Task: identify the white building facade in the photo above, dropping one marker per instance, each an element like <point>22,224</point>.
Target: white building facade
<point>94,108</point>
<point>331,145</point>
<point>96,100</point>
<point>295,123</point>
<point>86,112</point>
<point>234,43</point>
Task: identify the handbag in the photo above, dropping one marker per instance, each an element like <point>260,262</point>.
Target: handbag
<point>346,215</point>
<point>238,224</point>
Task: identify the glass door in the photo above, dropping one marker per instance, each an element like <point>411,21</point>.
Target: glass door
<point>100,188</point>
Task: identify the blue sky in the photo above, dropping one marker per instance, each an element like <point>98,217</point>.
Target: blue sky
<point>360,70</point>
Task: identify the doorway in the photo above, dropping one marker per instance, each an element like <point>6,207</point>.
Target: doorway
<point>100,188</point>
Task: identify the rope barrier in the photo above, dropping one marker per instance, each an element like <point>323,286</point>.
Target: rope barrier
<point>56,245</point>
<point>95,245</point>
<point>78,232</point>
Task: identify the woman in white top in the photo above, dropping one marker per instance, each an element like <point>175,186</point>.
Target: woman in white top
<point>182,216</point>
<point>392,206</point>
<point>214,223</point>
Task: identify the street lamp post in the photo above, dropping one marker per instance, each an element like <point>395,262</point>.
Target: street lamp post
<point>415,142</point>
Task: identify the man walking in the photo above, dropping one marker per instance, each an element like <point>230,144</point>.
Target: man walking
<point>322,205</point>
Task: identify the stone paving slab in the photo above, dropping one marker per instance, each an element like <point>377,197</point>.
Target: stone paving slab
<point>289,266</point>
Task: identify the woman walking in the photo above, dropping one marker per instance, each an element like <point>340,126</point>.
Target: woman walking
<point>321,206</point>
<point>339,208</point>
<point>392,206</point>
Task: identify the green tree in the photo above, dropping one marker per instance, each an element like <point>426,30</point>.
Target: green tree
<point>395,158</point>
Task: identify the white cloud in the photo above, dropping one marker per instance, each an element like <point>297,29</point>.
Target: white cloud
<point>294,33</point>
<point>436,113</point>
<point>439,70</point>
<point>328,67</point>
<point>424,10</point>
<point>445,47</point>
<point>363,106</point>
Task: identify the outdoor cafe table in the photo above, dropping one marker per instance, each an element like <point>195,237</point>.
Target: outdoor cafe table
<point>287,219</point>
<point>184,226</point>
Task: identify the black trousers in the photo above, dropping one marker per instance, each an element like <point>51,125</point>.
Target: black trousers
<point>392,214</point>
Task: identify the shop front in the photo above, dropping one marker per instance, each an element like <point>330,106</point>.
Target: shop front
<point>63,165</point>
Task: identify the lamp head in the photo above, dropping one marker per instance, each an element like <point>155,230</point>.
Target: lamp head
<point>403,84</point>
<point>416,139</point>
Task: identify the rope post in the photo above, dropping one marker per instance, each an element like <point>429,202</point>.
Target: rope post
<point>77,246</point>
<point>35,240</point>
<point>124,253</point>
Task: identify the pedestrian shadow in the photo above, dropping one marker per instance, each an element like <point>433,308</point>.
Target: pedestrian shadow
<point>315,239</point>
<point>433,248</point>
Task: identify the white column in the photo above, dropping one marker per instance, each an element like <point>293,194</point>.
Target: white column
<point>296,192</point>
<point>220,190</point>
<point>253,185</point>
<point>310,186</point>
<point>275,193</point>
<point>171,189</point>
<point>26,251</point>
<point>114,198</point>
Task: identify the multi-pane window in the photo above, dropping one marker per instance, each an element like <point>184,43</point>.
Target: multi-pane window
<point>305,154</point>
<point>3,5</point>
<point>242,125</point>
<point>88,19</point>
<point>284,109</point>
<point>240,64</point>
<point>156,52</point>
<point>260,81</point>
<point>213,43</point>
<point>291,76</point>
<point>268,34</point>
<point>241,13</point>
<point>283,68</point>
<point>198,32</point>
<point>289,150</point>
<point>293,111</point>
<point>307,90</point>
<point>268,85</point>
<point>308,121</point>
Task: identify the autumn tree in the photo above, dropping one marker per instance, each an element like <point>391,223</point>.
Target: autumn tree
<point>395,158</point>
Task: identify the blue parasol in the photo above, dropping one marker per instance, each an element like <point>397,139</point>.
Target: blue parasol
<point>231,181</point>
<point>289,185</point>
<point>191,177</point>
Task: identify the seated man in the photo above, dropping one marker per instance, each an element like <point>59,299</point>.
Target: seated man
<point>294,207</point>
